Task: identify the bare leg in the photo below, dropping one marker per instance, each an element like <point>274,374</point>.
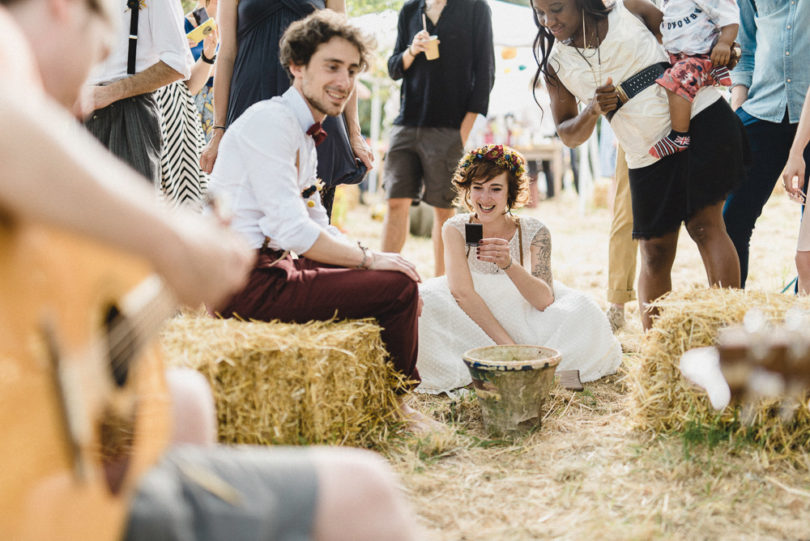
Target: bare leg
<point>439,217</point>
<point>358,498</point>
<point>395,225</point>
<point>194,417</point>
<point>655,279</point>
<point>416,421</point>
<point>803,266</point>
<point>680,112</point>
<point>720,259</point>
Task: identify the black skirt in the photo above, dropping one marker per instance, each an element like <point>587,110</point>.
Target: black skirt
<point>672,189</point>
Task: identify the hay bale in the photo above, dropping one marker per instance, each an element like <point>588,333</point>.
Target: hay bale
<point>663,401</point>
<point>277,383</point>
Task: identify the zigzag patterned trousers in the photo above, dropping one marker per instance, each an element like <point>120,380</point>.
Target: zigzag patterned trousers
<point>181,180</point>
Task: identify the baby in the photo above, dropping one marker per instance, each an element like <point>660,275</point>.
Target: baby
<point>698,35</point>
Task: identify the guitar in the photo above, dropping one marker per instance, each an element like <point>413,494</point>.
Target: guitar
<point>84,407</point>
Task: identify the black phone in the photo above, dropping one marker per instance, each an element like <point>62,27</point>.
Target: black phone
<point>200,15</point>
<point>473,233</point>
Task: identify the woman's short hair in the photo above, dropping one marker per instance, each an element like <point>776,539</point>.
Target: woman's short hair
<point>487,162</point>
<point>302,38</point>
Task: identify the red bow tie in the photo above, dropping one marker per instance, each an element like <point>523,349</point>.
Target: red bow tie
<point>317,132</point>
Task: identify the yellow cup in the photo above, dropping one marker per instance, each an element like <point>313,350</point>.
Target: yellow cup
<point>432,52</point>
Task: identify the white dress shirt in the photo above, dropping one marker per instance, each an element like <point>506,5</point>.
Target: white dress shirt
<point>257,176</point>
<point>160,38</point>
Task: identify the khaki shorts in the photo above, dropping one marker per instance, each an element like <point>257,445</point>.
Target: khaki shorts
<point>420,163</point>
<point>242,493</point>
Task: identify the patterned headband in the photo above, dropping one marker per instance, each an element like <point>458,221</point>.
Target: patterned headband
<point>502,156</point>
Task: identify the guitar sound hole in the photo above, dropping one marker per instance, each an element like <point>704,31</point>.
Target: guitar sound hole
<point>121,344</point>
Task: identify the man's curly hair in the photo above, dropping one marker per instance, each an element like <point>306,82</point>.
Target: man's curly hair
<point>302,38</point>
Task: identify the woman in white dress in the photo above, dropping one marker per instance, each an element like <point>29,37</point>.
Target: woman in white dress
<point>502,291</point>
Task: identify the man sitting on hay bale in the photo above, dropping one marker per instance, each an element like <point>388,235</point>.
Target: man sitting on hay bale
<point>267,167</point>
<point>74,185</point>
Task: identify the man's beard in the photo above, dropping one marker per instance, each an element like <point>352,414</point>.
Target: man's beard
<point>324,108</point>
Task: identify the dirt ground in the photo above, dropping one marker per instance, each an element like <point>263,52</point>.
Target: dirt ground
<point>587,473</point>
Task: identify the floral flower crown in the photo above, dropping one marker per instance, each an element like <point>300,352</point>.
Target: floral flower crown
<point>504,157</point>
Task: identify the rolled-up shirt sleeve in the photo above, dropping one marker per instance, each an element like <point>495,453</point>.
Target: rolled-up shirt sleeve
<point>268,156</point>
<point>168,37</point>
<point>743,73</point>
<point>483,61</point>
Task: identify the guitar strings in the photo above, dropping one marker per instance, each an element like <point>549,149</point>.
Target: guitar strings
<point>126,334</point>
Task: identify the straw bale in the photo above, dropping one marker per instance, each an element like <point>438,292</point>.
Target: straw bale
<point>323,382</point>
<point>663,401</point>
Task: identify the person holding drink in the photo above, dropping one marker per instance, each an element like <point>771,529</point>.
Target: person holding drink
<point>499,287</point>
<point>445,57</point>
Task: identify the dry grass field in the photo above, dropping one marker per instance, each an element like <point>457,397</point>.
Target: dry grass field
<point>587,473</point>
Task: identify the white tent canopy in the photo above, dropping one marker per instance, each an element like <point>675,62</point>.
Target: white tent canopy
<point>512,25</point>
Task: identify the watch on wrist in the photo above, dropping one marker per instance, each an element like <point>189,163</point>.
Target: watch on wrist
<point>206,59</point>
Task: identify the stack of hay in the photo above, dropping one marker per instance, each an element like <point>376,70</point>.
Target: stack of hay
<point>663,401</point>
<point>277,383</point>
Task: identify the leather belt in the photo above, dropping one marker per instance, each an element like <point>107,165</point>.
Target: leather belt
<point>276,255</point>
<point>633,85</point>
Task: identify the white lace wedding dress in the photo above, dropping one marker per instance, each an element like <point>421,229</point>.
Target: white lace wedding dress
<point>573,324</point>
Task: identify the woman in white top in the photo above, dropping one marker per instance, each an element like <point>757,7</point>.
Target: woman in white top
<point>502,291</point>
<point>607,59</point>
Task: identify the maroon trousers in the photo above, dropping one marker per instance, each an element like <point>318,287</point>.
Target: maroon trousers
<point>300,290</point>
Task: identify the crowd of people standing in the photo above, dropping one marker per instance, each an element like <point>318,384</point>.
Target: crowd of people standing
<point>277,129</point>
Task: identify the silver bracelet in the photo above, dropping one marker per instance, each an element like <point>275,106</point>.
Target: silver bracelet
<point>364,263</point>
<point>506,267</point>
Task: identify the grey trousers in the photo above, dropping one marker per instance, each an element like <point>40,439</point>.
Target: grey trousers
<point>217,493</point>
<point>130,129</point>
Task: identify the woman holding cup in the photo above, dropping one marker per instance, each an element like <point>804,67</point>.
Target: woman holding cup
<point>499,287</point>
<point>445,57</point>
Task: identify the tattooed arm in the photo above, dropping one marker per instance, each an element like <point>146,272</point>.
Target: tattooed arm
<point>535,286</point>
<point>541,256</point>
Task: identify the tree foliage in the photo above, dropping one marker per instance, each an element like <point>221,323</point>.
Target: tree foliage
<point>361,7</point>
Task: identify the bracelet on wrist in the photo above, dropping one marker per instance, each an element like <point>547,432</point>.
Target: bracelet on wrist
<point>364,264</point>
<point>507,266</point>
<point>206,59</point>
<point>410,52</point>
<point>217,127</point>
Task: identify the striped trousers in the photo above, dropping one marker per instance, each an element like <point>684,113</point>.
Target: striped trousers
<point>130,129</point>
